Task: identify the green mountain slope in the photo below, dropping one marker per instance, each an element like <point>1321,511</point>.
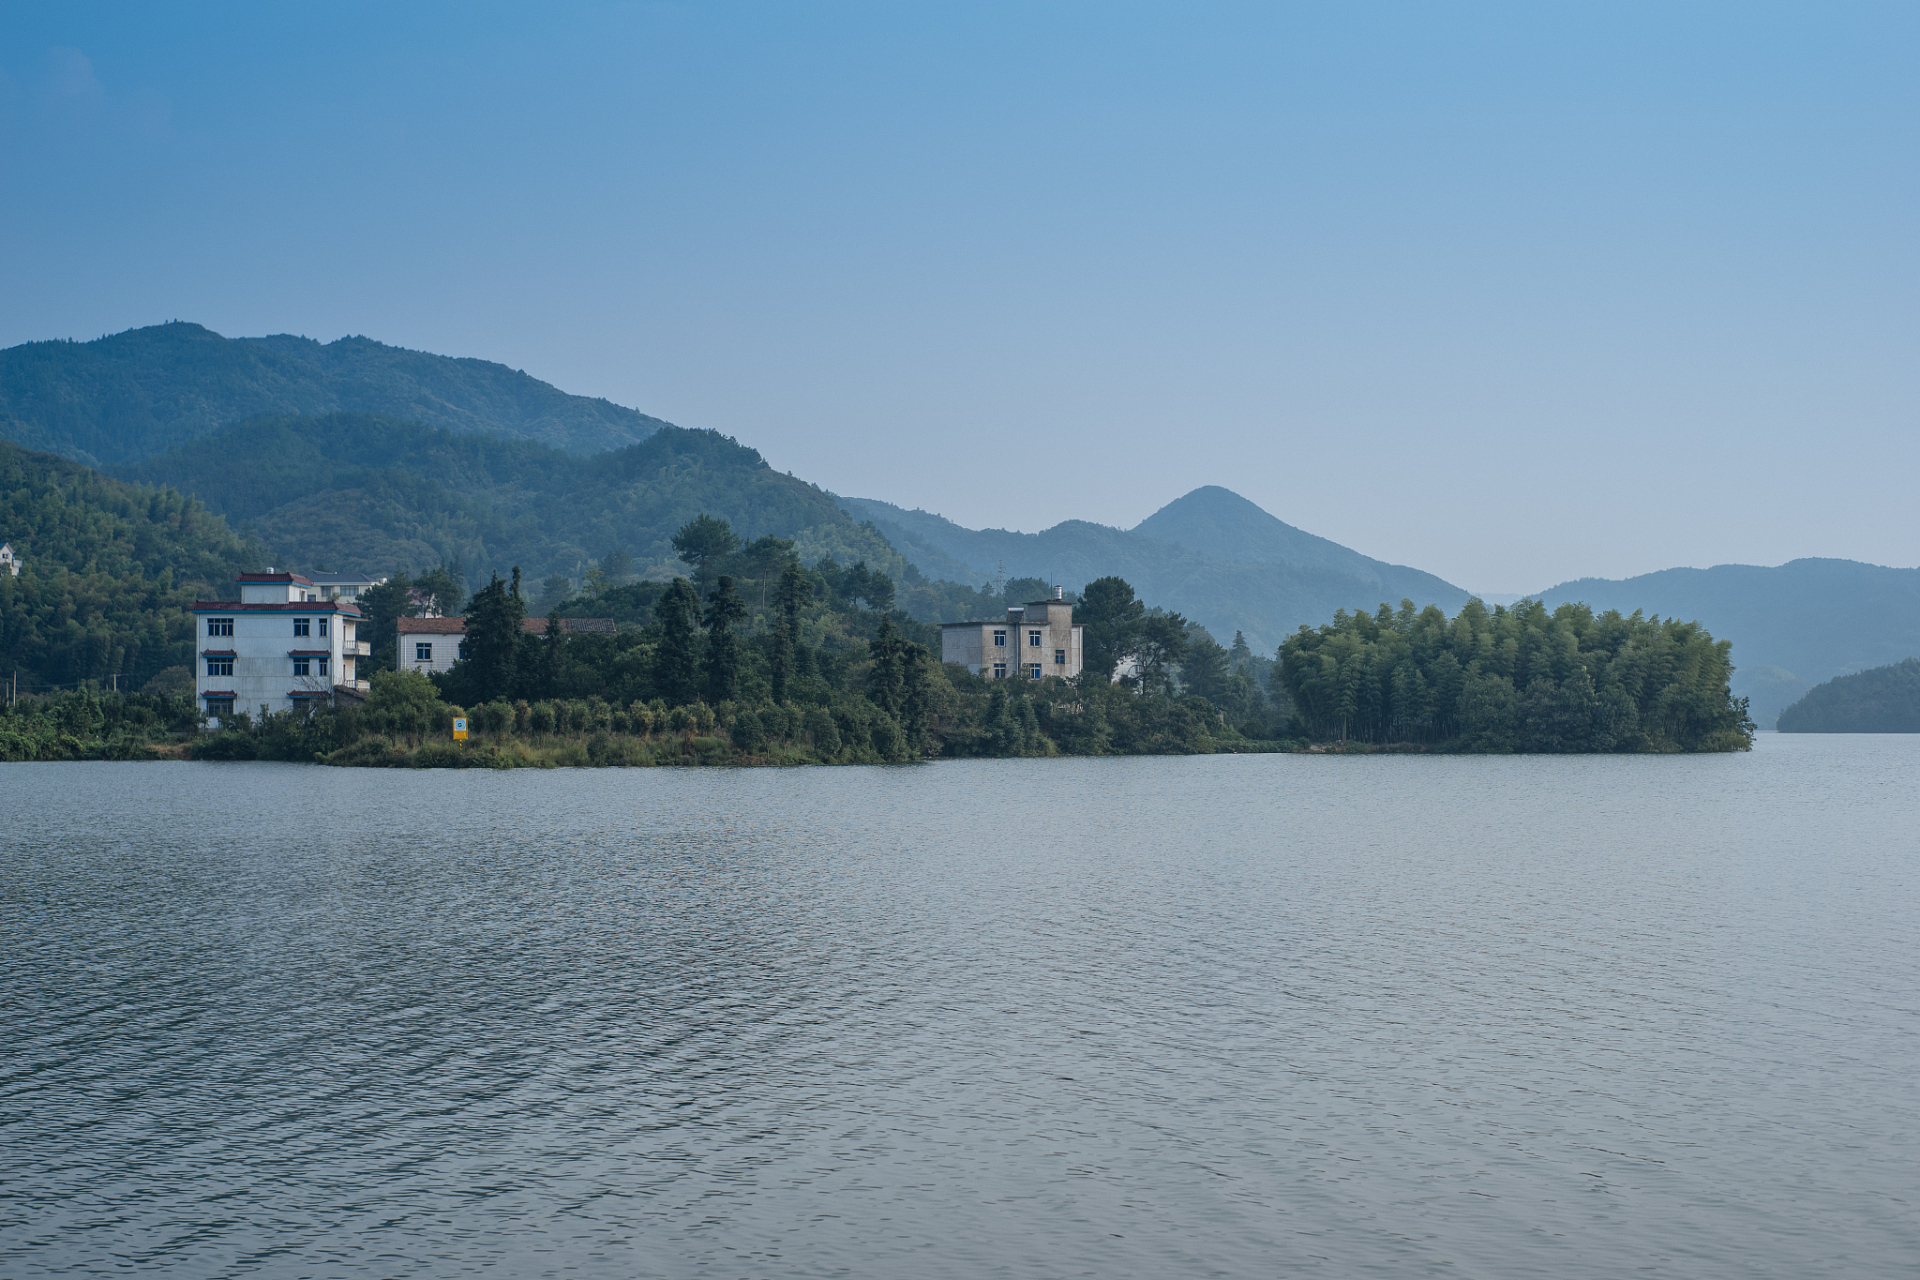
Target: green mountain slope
<point>1211,555</point>
<point>131,395</point>
<point>110,570</point>
<point>1882,700</point>
<point>363,491</point>
<point>1792,626</point>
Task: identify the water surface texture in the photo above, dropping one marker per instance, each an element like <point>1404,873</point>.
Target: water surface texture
<point>1174,1017</point>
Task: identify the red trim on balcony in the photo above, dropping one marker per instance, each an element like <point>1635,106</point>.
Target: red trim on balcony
<point>214,693</point>
<point>218,653</point>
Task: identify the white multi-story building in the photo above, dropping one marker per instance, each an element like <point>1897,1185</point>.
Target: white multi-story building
<point>276,647</point>
<point>8,560</point>
<point>1038,640</point>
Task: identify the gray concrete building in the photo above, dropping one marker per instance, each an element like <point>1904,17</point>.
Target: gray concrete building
<point>1036,640</point>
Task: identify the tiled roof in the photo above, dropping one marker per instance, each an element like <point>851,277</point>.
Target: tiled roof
<point>432,626</point>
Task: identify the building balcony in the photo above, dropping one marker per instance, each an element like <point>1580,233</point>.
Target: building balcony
<point>359,649</point>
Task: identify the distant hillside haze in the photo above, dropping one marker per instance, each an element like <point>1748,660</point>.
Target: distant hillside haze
<point>374,493</point>
<point>1211,555</point>
<point>1881,700</point>
<point>132,395</point>
<point>1792,626</point>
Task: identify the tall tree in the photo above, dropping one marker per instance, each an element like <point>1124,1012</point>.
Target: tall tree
<point>1160,643</point>
<point>553,655</point>
<point>900,682</point>
<point>490,652</point>
<point>441,589</point>
<point>703,543</point>
<point>676,661</point>
<point>1109,616</point>
<point>1241,655</point>
<point>765,557</point>
<point>381,607</point>
<point>725,612</point>
<point>793,594</point>
<point>1204,669</point>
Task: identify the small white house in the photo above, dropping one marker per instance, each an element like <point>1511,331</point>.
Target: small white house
<point>1038,640</point>
<point>8,560</point>
<point>277,646</point>
<point>428,645</point>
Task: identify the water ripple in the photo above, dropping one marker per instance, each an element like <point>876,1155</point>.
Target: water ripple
<point>1210,1017</point>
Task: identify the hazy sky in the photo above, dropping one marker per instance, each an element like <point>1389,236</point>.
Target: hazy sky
<point>1514,293</point>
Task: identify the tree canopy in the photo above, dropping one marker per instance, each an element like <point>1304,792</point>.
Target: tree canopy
<point>1519,679</point>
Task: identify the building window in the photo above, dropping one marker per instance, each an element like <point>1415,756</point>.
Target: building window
<point>323,626</point>
<point>1033,639</point>
<point>423,652</point>
<point>323,665</point>
<point>1000,639</point>
<point>1059,657</point>
<point>219,626</point>
<point>999,671</point>
<point>219,666</point>
<point>302,627</point>
<point>301,665</point>
<point>219,706</point>
<point>1033,671</point>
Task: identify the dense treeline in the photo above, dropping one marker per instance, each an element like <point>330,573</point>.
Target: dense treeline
<point>86,724</point>
<point>111,570</point>
<point>1519,679</point>
<point>1881,700</point>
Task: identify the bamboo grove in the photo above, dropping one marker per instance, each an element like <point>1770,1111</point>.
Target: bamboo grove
<point>1519,679</point>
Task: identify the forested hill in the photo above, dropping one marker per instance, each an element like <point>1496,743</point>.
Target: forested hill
<point>1883,700</point>
<point>125,397</point>
<point>111,569</point>
<point>367,492</point>
<point>1211,555</point>
<point>1792,626</point>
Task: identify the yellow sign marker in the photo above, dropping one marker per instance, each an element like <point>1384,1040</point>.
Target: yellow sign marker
<point>459,728</point>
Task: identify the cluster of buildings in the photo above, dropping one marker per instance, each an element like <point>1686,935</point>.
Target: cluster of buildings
<point>286,640</point>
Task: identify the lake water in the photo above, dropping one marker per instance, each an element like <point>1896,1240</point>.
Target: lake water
<point>1174,1017</point>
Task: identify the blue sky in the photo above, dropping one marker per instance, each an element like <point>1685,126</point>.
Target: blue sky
<point>1514,293</point>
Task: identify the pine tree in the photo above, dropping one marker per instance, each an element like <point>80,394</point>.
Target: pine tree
<point>676,661</point>
<point>725,612</point>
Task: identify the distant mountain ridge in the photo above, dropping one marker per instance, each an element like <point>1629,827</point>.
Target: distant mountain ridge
<point>132,395</point>
<point>1793,626</point>
<point>1212,555</point>
<point>377,493</point>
